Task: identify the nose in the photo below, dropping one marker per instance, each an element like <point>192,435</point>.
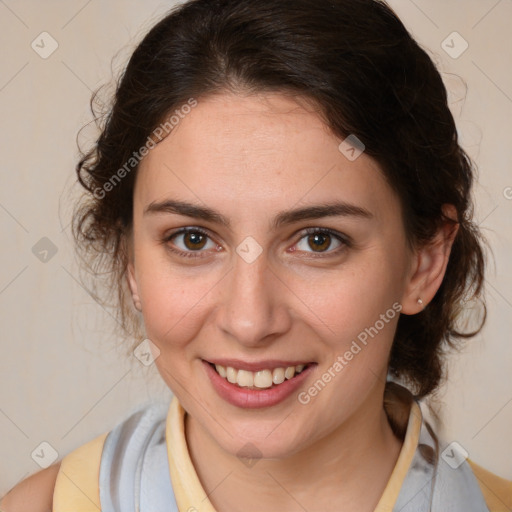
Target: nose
<point>254,304</point>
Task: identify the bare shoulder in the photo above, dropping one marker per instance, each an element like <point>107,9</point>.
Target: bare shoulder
<point>34,494</point>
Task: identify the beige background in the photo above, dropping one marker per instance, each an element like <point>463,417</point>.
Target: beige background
<point>61,380</point>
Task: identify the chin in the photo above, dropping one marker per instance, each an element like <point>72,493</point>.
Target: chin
<point>256,444</point>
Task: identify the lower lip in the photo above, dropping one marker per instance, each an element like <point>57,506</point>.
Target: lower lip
<point>255,398</point>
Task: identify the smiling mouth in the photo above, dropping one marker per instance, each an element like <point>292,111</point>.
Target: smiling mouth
<point>262,379</point>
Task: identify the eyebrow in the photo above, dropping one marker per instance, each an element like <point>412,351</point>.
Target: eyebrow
<point>332,209</point>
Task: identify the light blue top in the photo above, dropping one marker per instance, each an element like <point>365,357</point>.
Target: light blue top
<point>134,472</point>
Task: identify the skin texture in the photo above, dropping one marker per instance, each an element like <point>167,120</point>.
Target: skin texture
<point>34,494</point>
<point>249,158</point>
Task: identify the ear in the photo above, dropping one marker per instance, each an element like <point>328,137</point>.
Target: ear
<point>132,283</point>
<point>429,266</point>
<point>130,275</point>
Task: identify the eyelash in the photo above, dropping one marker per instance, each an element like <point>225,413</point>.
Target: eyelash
<point>188,254</point>
<point>343,239</point>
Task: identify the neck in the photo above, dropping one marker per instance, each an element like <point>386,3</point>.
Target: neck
<point>328,475</point>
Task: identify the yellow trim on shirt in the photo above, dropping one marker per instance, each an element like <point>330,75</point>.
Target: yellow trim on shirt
<point>190,495</point>
<point>188,491</point>
<point>496,490</point>
<point>412,435</point>
<point>77,484</point>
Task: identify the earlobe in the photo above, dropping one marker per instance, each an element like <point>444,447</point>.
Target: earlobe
<point>429,266</point>
<point>127,245</point>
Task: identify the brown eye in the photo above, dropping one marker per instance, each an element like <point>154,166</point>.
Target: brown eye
<point>319,242</point>
<point>322,241</point>
<point>190,242</point>
<point>194,240</point>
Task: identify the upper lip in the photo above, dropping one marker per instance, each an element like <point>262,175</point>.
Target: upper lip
<point>254,366</point>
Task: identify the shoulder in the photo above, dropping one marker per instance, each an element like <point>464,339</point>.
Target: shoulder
<point>55,488</point>
<point>87,473</point>
<point>34,494</point>
<point>497,491</point>
<point>51,488</point>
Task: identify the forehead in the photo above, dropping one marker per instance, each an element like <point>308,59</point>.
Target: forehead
<point>250,151</point>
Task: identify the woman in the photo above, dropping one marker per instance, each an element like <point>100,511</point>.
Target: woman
<point>281,196</point>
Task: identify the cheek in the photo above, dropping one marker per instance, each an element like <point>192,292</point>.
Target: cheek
<point>173,300</point>
<point>362,319</point>
<point>353,298</point>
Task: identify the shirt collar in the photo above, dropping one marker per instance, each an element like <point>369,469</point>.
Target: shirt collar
<point>190,494</point>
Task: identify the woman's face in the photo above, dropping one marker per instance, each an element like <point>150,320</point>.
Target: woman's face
<point>249,287</point>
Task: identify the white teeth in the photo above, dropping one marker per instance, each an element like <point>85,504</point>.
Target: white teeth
<point>221,370</point>
<point>261,379</point>
<point>278,376</point>
<point>231,374</point>
<point>245,379</point>
<point>289,372</point>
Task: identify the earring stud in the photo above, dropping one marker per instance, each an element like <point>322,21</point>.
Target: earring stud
<point>420,302</point>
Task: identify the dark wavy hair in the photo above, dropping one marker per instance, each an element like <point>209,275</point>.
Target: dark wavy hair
<point>357,63</point>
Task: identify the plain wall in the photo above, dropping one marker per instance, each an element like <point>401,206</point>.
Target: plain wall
<point>61,380</point>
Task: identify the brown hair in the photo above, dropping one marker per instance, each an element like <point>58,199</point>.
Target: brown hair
<point>353,59</point>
